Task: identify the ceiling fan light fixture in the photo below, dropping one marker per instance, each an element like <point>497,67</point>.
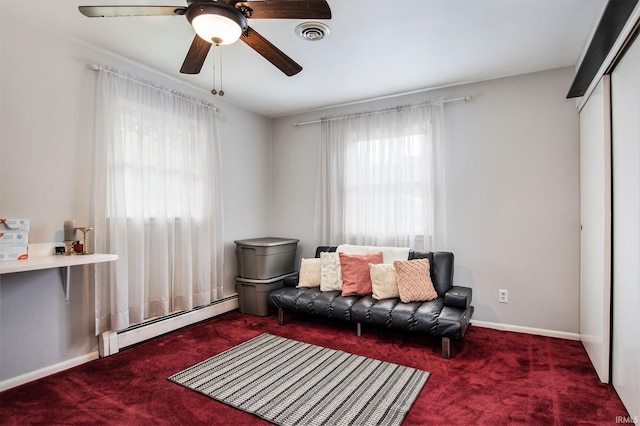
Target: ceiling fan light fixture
<point>217,24</point>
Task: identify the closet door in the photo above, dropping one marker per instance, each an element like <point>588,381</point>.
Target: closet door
<point>595,227</point>
<point>625,98</point>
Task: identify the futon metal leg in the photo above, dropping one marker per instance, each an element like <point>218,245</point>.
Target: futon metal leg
<point>446,348</point>
<point>280,316</point>
<point>358,329</point>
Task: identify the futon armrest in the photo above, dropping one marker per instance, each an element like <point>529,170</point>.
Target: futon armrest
<point>291,281</point>
<point>458,297</point>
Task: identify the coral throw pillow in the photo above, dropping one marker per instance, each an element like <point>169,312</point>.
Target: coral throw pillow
<point>356,279</point>
<point>414,280</point>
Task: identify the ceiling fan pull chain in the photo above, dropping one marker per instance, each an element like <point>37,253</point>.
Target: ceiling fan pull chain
<point>221,92</point>
<point>213,59</point>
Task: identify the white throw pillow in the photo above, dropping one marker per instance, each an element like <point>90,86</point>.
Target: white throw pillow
<point>383,281</point>
<point>309,273</point>
<point>389,254</point>
<point>330,272</point>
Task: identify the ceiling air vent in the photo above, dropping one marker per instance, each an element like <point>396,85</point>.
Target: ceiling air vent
<point>312,31</point>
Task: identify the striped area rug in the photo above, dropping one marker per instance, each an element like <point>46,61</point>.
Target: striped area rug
<point>292,383</point>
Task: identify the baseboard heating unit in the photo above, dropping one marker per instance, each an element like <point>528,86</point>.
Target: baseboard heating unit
<point>111,342</point>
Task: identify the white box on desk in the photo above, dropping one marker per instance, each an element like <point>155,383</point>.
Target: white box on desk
<point>15,225</point>
<point>14,238</point>
<point>13,253</point>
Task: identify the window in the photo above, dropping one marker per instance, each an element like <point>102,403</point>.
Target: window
<point>384,185</point>
<point>379,182</point>
<point>159,171</point>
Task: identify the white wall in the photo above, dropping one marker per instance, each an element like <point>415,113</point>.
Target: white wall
<point>512,170</point>
<point>46,113</point>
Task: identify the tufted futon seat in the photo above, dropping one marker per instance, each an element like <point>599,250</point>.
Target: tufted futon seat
<point>446,317</point>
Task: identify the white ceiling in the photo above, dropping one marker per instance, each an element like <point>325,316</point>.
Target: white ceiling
<point>376,48</point>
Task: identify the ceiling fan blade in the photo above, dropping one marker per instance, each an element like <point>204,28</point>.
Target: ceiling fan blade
<point>288,9</point>
<point>195,56</point>
<point>116,11</point>
<point>271,53</point>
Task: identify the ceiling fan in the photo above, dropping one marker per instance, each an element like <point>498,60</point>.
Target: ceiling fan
<point>224,22</point>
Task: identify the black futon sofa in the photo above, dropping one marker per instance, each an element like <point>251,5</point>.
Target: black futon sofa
<point>446,317</point>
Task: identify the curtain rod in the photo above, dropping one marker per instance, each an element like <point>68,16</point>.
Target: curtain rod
<point>304,123</point>
<point>96,67</point>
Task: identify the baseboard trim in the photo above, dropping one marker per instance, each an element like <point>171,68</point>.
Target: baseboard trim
<point>527,330</point>
<point>137,335</point>
<point>47,371</point>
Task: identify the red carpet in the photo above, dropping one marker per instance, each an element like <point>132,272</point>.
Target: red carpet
<point>493,378</point>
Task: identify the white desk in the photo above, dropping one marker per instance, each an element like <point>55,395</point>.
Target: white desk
<point>34,263</point>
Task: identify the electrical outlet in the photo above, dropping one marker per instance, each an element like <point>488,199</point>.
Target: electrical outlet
<point>503,296</point>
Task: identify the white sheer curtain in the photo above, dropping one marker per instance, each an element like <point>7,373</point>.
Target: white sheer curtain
<point>158,202</point>
<point>381,179</point>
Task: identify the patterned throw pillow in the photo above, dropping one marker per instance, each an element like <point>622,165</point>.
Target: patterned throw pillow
<point>356,279</point>
<point>330,273</point>
<point>414,280</point>
<point>309,273</point>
